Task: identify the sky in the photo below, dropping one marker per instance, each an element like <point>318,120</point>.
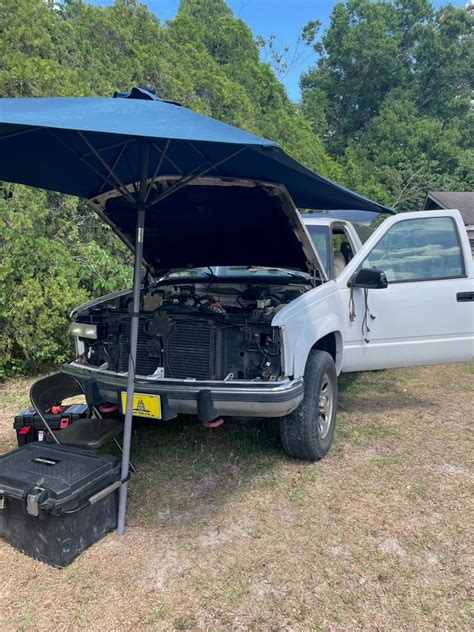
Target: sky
<point>283,18</point>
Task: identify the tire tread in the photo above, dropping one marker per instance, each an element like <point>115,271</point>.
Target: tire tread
<point>298,430</point>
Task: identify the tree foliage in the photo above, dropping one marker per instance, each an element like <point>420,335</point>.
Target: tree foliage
<point>55,252</point>
<point>391,95</point>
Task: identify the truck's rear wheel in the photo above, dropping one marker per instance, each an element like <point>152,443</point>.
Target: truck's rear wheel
<point>307,432</point>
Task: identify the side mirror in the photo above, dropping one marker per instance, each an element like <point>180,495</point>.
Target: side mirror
<point>369,279</point>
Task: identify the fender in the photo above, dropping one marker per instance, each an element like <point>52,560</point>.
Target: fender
<point>310,336</point>
<point>306,320</point>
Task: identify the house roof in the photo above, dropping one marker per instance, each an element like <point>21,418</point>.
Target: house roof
<point>462,200</point>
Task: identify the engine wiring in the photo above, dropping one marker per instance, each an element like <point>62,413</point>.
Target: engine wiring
<point>365,329</point>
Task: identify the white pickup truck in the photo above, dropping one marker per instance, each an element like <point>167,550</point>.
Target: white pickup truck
<point>245,318</point>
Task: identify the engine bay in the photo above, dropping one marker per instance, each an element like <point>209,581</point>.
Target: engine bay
<point>192,330</point>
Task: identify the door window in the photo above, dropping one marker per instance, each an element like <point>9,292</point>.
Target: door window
<point>320,238</point>
<point>419,250</point>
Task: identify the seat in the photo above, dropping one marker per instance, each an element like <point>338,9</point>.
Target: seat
<point>90,434</point>
<point>346,251</point>
<point>51,390</point>
<point>339,263</point>
<point>85,433</point>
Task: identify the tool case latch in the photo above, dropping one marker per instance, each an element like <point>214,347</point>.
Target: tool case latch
<point>32,501</point>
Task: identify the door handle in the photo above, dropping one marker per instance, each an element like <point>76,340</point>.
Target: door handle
<point>464,297</point>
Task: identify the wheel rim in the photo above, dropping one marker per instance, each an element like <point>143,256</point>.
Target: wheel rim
<point>325,405</point>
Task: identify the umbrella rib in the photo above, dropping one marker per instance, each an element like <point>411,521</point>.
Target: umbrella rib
<point>192,176</point>
<point>90,153</point>
<point>198,151</point>
<point>110,170</point>
<point>158,167</point>
<point>179,184</point>
<point>96,171</point>
<point>168,159</point>
<point>23,131</point>
<point>124,146</point>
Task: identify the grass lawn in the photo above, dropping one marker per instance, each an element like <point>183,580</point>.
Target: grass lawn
<point>226,533</point>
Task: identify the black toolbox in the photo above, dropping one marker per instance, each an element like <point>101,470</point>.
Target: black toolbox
<point>57,500</point>
<point>29,426</point>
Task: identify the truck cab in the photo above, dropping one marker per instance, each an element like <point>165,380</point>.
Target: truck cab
<point>252,310</point>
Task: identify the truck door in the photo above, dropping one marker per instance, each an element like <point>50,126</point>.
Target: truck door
<point>426,313</point>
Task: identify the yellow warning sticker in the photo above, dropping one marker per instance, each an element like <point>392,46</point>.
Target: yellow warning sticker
<point>144,405</point>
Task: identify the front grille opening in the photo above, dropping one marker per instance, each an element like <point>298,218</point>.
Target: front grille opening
<point>189,350</point>
<point>145,364</point>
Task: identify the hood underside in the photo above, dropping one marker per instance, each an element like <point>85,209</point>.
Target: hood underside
<point>215,222</point>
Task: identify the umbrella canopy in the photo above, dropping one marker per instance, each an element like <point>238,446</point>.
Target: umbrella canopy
<point>86,146</point>
<point>89,147</point>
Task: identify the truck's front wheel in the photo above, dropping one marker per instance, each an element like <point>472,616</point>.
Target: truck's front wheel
<point>307,432</point>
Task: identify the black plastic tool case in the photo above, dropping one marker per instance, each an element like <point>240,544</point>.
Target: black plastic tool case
<point>57,500</point>
<point>28,423</point>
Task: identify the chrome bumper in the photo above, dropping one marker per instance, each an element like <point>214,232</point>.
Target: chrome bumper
<point>237,398</point>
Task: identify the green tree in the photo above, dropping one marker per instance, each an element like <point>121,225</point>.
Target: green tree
<point>235,86</point>
<point>55,252</point>
<point>399,155</point>
<point>54,255</point>
<point>374,47</point>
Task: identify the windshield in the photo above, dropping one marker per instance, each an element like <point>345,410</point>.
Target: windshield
<point>364,231</point>
<point>320,238</point>
<point>229,272</point>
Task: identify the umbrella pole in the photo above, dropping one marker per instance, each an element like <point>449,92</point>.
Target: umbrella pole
<point>132,358</point>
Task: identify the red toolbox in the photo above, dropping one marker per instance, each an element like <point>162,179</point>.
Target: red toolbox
<point>29,426</point>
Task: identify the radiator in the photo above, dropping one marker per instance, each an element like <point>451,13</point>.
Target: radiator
<point>189,350</point>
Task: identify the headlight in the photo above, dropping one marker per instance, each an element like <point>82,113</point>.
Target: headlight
<point>82,330</point>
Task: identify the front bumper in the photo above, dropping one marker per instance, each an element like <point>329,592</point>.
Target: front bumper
<point>237,398</point>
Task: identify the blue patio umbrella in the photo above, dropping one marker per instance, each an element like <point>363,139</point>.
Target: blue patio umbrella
<point>88,146</point>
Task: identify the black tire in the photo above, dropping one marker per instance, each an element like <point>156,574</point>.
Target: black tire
<point>307,432</point>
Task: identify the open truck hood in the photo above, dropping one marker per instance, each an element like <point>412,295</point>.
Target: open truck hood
<point>216,222</point>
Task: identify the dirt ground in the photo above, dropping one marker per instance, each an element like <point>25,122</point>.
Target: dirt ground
<point>226,533</point>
